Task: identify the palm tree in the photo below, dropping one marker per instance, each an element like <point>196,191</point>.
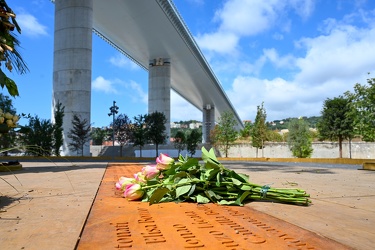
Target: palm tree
<point>8,48</point>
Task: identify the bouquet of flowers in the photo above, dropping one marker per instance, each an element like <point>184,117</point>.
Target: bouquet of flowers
<point>187,180</point>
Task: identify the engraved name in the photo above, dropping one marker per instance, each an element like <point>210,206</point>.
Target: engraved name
<point>151,233</point>
<point>123,235</point>
<point>199,221</point>
<point>290,241</point>
<point>191,240</point>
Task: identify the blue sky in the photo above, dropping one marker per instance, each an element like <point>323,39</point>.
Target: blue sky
<point>289,54</point>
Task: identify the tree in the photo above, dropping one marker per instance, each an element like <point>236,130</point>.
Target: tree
<point>98,135</point>
<point>274,136</point>
<point>79,134</point>
<point>299,138</point>
<point>179,141</point>
<point>123,130</point>
<point>7,140</point>
<point>247,129</point>
<point>259,131</point>
<point>57,128</point>
<point>37,136</point>
<point>336,123</point>
<point>362,109</point>
<point>192,141</point>
<point>9,48</point>
<point>139,133</point>
<point>226,133</point>
<point>155,125</point>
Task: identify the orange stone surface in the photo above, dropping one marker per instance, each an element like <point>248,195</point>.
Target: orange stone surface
<point>114,222</point>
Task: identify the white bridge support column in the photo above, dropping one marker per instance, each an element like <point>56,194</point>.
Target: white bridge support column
<point>72,63</point>
<point>159,90</point>
<point>208,122</point>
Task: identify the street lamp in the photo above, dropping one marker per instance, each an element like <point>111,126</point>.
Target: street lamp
<point>114,111</point>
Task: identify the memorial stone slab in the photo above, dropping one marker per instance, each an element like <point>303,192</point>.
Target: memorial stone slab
<point>114,223</point>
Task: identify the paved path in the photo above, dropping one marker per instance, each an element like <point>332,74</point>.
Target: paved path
<point>343,199</point>
<point>50,205</point>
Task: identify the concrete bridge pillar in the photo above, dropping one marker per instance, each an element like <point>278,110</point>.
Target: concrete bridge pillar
<point>208,122</point>
<point>72,63</point>
<point>159,90</point>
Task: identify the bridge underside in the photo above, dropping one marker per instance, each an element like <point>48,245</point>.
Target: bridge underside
<point>149,32</point>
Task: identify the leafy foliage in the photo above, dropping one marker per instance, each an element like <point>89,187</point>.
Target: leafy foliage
<point>336,123</point>
<point>274,136</point>
<point>57,128</point>
<point>98,135</point>
<point>246,131</point>
<point>123,130</point>
<point>179,141</point>
<point>284,123</point>
<point>299,138</point>
<point>139,132</point>
<point>362,109</point>
<point>7,140</point>
<point>225,132</point>
<point>192,141</point>
<point>8,48</point>
<point>155,129</point>
<point>259,131</point>
<point>79,134</point>
<point>38,137</point>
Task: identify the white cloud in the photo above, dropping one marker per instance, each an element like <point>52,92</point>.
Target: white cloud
<point>331,64</point>
<point>303,8</point>
<point>345,53</point>
<point>219,42</point>
<point>247,17</point>
<point>241,18</point>
<point>181,110</point>
<point>280,97</point>
<point>279,61</point>
<point>121,61</point>
<point>103,85</point>
<point>30,25</point>
<point>136,92</point>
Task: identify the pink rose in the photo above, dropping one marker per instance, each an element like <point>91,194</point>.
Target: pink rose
<point>123,181</point>
<point>133,192</point>
<point>164,162</point>
<point>150,172</point>
<point>140,177</point>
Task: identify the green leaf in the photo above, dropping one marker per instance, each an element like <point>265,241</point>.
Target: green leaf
<point>242,197</point>
<point>211,173</point>
<point>202,199</point>
<point>158,195</point>
<point>191,162</point>
<point>218,177</point>
<point>210,159</point>
<point>228,203</point>
<point>183,189</point>
<point>180,175</point>
<point>245,188</point>
<point>241,177</point>
<point>192,189</point>
<point>212,195</point>
<point>171,170</point>
<point>9,84</point>
<point>236,182</point>
<point>181,159</point>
